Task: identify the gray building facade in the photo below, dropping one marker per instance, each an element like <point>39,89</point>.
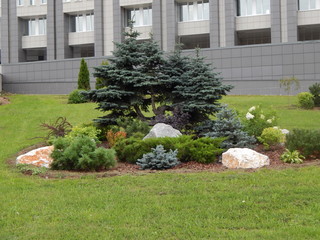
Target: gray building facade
<point>252,43</point>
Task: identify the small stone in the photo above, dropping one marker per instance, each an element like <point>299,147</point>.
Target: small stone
<point>162,130</point>
<point>244,158</point>
<point>39,157</point>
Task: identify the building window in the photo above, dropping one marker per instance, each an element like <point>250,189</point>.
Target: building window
<point>194,11</point>
<point>253,7</point>
<point>251,37</point>
<point>43,1</point>
<point>20,2</point>
<point>37,26</point>
<point>82,22</point>
<point>309,33</point>
<point>309,4</point>
<point>32,2</point>
<point>141,16</point>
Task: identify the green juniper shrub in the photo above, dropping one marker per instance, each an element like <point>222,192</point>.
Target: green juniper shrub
<point>203,150</point>
<point>315,91</point>
<point>271,137</point>
<point>306,141</point>
<point>84,130</point>
<point>256,120</point>
<point>76,97</point>
<point>159,159</point>
<point>305,100</point>
<point>81,153</point>
<point>132,126</point>
<point>228,125</point>
<point>292,157</point>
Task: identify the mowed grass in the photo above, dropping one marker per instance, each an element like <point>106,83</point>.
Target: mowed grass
<point>290,116</point>
<point>266,204</point>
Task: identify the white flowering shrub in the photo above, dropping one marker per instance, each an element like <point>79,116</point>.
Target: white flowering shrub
<point>256,120</point>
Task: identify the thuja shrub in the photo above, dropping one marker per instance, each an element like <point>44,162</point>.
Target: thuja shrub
<point>159,159</point>
<point>315,91</point>
<point>113,137</point>
<point>81,153</point>
<point>306,141</point>
<point>204,150</point>
<point>305,100</point>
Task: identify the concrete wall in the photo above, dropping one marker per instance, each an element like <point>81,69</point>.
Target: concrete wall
<point>46,77</point>
<point>254,69</point>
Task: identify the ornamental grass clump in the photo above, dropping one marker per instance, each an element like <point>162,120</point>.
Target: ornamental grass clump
<point>159,159</point>
<point>256,120</point>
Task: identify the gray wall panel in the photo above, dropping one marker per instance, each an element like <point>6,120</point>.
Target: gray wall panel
<point>255,74</point>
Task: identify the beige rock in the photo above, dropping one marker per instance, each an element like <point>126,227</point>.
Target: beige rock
<point>39,157</point>
<point>244,158</point>
<point>162,130</point>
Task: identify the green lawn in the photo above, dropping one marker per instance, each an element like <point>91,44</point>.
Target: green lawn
<point>267,204</point>
<point>290,116</point>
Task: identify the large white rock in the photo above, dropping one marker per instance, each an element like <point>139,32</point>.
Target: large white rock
<point>244,158</point>
<point>162,130</point>
<point>39,157</point>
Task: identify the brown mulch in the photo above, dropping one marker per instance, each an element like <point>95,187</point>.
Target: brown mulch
<point>189,167</point>
<point>4,101</point>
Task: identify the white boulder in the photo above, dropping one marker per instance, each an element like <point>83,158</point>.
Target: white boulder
<point>39,157</point>
<point>244,158</point>
<point>162,130</point>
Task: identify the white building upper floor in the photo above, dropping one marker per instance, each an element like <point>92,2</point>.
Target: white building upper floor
<point>84,22</point>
